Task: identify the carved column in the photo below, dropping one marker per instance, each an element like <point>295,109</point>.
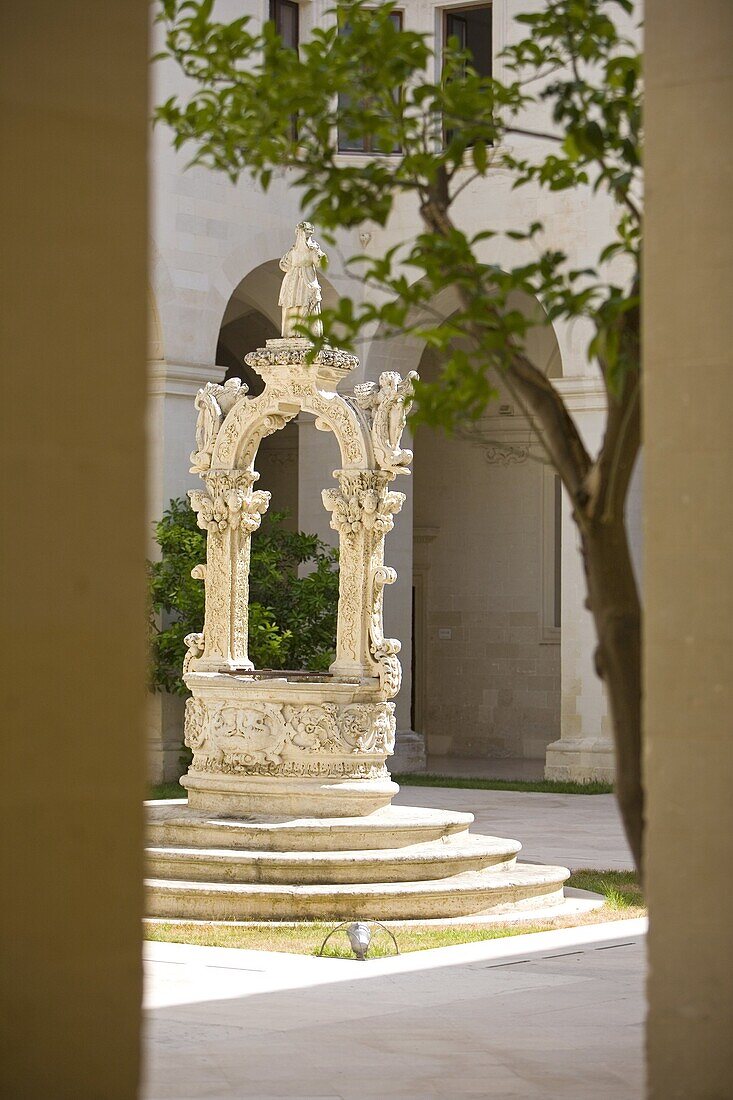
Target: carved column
<point>362,511</point>
<point>229,511</point>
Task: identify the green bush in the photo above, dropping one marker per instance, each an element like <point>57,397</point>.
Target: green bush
<point>292,619</point>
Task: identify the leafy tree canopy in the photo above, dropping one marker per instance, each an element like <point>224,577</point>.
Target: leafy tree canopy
<point>377,83</point>
<point>292,618</point>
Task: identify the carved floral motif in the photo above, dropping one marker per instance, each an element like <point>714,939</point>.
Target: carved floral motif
<point>275,356</point>
<point>228,502</point>
<point>505,454</point>
<point>362,501</point>
<point>279,739</point>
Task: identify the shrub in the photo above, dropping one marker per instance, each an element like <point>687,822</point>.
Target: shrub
<point>292,618</point>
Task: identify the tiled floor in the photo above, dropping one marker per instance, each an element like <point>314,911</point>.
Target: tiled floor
<point>572,830</point>
<point>554,1015</point>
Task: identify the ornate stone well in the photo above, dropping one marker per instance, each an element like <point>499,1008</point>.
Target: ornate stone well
<point>299,742</point>
<point>288,811</point>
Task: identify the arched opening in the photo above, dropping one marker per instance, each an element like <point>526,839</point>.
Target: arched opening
<point>294,567</point>
<point>294,573</point>
<point>486,658</point>
<point>252,317</point>
<point>248,322</point>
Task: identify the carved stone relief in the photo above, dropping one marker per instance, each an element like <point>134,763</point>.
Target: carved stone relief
<point>280,739</point>
<point>505,454</point>
<point>213,402</point>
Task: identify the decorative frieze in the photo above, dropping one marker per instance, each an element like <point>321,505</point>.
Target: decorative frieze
<point>281,739</point>
<point>505,454</point>
<point>286,353</point>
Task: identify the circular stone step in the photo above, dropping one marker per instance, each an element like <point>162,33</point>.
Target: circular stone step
<point>434,860</point>
<point>472,892</point>
<point>173,823</point>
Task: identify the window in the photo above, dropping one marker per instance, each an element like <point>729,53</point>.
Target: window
<point>472,28</point>
<point>365,143</point>
<point>285,15</point>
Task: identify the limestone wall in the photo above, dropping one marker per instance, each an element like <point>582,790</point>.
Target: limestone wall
<point>490,682</point>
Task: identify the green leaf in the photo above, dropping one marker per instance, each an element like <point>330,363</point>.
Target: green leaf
<point>480,158</point>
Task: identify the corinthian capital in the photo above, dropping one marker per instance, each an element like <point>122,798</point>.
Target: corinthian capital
<point>362,501</point>
<point>228,501</point>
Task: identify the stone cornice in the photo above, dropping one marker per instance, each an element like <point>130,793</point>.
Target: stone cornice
<point>181,379</point>
<point>582,394</point>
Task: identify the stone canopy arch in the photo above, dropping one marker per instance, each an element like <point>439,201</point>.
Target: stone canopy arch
<point>307,729</point>
<point>367,425</point>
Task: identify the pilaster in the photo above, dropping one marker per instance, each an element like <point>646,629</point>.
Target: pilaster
<point>584,750</point>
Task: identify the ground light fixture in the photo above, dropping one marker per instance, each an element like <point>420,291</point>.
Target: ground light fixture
<point>360,936</point>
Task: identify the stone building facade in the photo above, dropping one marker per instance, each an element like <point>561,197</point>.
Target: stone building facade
<point>497,645</point>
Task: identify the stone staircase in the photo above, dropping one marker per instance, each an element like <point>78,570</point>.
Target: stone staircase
<point>398,863</point>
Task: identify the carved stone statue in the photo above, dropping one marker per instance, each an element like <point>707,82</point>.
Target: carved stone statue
<point>300,294</point>
<point>388,403</point>
<point>212,403</point>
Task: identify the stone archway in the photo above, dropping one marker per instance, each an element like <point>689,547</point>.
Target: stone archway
<point>250,319</point>
<point>273,725</point>
<point>485,648</point>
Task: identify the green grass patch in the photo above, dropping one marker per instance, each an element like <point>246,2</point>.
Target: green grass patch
<point>307,938</point>
<point>539,786</point>
<point>167,790</point>
<point>621,889</point>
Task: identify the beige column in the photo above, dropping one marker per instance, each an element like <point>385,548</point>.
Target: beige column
<point>584,750</point>
<point>318,458</point>
<point>688,489</point>
<point>75,127</point>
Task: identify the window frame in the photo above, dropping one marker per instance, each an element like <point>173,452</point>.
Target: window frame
<point>275,8</point>
<point>451,12</point>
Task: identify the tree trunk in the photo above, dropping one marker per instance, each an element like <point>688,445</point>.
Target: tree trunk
<point>613,599</point>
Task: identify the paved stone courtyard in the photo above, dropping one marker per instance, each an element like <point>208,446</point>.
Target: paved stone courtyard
<point>551,1015</point>
<point>570,829</point>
